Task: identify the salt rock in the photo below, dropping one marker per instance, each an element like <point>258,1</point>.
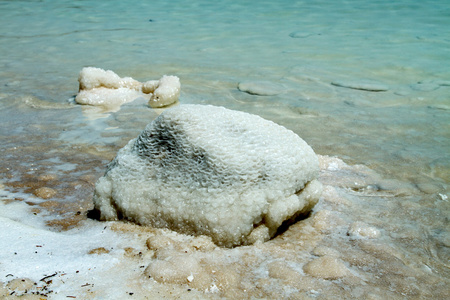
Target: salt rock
<point>362,230</point>
<point>91,78</point>
<point>176,269</point>
<point>44,192</point>
<point>164,91</point>
<point>206,170</point>
<point>105,88</point>
<point>326,267</point>
<point>110,98</point>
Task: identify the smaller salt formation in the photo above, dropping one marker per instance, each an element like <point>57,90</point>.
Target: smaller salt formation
<point>206,170</point>
<point>164,91</point>
<point>105,88</point>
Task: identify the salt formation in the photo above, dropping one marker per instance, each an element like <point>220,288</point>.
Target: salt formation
<point>207,170</point>
<point>105,88</point>
<point>164,91</point>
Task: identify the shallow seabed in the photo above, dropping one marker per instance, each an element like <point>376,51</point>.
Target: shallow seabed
<point>366,84</point>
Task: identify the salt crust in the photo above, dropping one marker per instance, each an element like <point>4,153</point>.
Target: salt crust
<point>99,87</point>
<point>208,170</point>
<point>303,262</point>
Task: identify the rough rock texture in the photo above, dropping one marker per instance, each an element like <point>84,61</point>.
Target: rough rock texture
<point>206,170</point>
<point>99,87</point>
<point>164,91</point>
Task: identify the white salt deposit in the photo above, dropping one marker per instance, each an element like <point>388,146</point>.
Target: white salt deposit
<point>91,78</point>
<point>326,255</point>
<point>98,87</point>
<point>166,92</point>
<point>37,263</point>
<point>109,98</point>
<point>209,170</point>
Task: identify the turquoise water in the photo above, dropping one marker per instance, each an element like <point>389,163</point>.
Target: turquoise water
<point>300,46</point>
<point>304,48</point>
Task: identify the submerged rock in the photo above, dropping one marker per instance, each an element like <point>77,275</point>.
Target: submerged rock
<point>206,170</point>
<point>260,88</point>
<point>363,85</point>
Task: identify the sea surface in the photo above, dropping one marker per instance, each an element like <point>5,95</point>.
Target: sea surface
<point>365,83</point>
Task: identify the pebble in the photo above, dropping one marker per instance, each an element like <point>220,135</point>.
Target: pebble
<point>179,269</point>
<point>44,192</point>
<point>260,88</point>
<point>326,267</point>
<point>361,85</point>
<point>360,229</point>
<point>158,242</point>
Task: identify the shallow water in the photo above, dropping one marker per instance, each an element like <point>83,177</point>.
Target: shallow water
<point>316,56</point>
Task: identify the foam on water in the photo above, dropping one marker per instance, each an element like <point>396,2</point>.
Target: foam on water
<point>366,81</point>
